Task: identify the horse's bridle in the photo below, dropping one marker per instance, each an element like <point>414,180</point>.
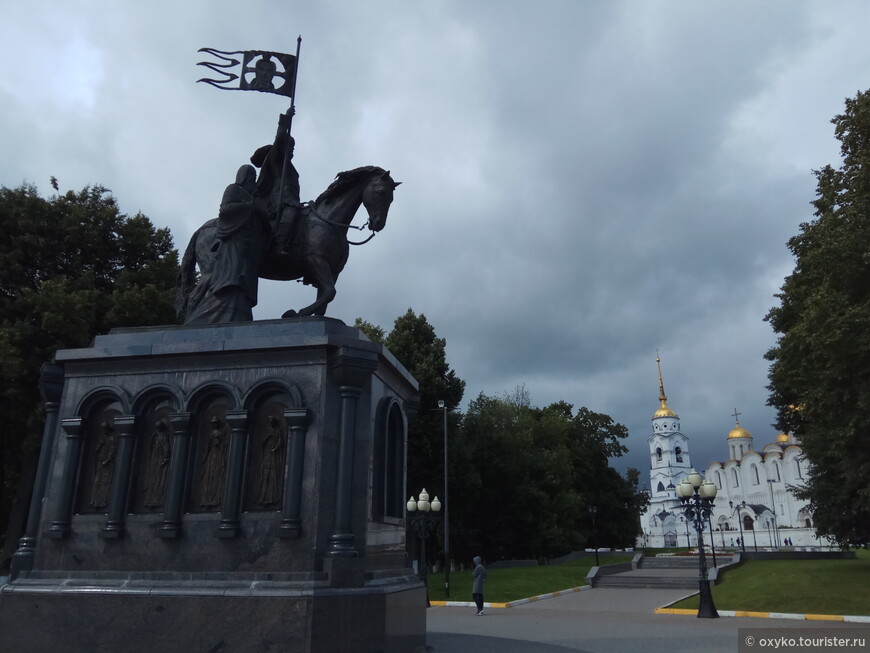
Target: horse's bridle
<point>338,225</point>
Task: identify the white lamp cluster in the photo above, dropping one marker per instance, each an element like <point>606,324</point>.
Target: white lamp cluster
<point>695,483</point>
<point>423,504</point>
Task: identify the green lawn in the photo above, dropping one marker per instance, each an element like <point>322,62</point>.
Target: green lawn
<point>797,586</point>
<point>504,585</point>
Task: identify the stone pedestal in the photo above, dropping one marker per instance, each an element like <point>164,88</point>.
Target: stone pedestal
<point>227,487</point>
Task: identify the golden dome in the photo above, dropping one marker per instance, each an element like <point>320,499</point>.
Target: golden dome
<point>664,411</point>
<point>782,438</point>
<point>738,432</point>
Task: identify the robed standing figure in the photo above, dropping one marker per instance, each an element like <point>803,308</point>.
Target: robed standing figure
<point>227,288</point>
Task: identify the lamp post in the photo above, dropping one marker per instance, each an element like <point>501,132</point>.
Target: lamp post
<point>686,522</point>
<point>739,523</point>
<point>423,517</point>
<point>770,483</point>
<point>443,406</point>
<point>712,541</point>
<point>696,496</point>
<point>592,511</point>
<point>754,538</point>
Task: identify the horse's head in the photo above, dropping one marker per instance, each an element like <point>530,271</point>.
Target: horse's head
<point>377,197</point>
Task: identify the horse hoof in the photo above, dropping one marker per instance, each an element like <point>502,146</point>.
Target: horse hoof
<point>290,313</point>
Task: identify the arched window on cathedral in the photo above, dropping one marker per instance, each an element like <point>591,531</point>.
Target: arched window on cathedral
<point>755,480</point>
<point>679,454</point>
<point>778,477</point>
<point>661,487</point>
<point>658,454</point>
<point>718,480</point>
<point>797,464</point>
<point>734,479</point>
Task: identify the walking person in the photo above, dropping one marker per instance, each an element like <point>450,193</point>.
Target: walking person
<point>479,576</point>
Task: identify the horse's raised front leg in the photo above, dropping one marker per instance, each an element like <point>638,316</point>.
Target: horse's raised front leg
<point>322,279</point>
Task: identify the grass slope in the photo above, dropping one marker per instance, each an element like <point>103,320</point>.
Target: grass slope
<point>505,585</point>
<point>839,587</point>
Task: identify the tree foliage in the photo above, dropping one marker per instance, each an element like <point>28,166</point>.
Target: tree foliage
<point>531,476</point>
<point>820,366</point>
<point>71,266</point>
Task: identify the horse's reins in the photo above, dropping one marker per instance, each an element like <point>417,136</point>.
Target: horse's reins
<point>332,223</point>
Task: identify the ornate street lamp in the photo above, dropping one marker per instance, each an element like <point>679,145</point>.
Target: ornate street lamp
<point>423,517</point>
<point>739,523</point>
<point>696,496</point>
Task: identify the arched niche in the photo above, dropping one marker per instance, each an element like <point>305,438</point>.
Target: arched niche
<point>209,447</point>
<point>388,460</point>
<point>99,450</point>
<point>268,443</point>
<point>154,443</point>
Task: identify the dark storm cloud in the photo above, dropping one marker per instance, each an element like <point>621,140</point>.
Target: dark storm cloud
<point>583,182</point>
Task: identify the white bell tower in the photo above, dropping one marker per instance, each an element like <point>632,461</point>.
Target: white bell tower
<point>669,464</point>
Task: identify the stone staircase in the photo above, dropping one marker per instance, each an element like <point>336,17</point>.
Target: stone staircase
<point>664,572</point>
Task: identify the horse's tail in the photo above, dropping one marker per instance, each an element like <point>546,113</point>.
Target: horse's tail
<point>186,279</point>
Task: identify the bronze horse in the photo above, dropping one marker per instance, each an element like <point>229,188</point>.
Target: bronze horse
<point>318,251</point>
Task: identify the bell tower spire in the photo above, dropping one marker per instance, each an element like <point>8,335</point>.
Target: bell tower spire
<point>664,410</point>
<point>663,398</point>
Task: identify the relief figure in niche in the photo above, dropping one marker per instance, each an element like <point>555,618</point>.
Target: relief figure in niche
<point>267,492</point>
<point>158,464</point>
<point>104,465</point>
<point>214,462</point>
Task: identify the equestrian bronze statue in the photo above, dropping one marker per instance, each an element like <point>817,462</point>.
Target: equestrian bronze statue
<point>245,242</point>
<point>262,230</point>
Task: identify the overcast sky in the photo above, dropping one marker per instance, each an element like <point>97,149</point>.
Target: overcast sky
<point>583,182</point>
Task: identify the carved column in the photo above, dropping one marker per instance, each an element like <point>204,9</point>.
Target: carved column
<point>61,525</point>
<point>341,542</point>
<point>114,527</point>
<point>51,386</point>
<point>230,525</point>
<point>171,526</point>
<point>291,521</point>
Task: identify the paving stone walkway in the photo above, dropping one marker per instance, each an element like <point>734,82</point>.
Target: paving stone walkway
<point>600,620</point>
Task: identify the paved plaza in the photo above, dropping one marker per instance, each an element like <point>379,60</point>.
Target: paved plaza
<point>596,621</point>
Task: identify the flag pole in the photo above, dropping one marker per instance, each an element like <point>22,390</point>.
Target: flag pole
<point>290,112</point>
<point>293,89</point>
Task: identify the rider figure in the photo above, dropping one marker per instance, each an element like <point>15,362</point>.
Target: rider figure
<point>283,198</point>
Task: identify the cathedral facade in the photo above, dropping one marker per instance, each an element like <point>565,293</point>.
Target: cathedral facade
<point>755,505</point>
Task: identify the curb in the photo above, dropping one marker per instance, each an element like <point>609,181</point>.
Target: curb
<point>665,609</point>
<point>770,615</point>
<point>511,604</point>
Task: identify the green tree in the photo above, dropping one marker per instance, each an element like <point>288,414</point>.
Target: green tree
<point>71,266</point>
<point>532,476</point>
<point>820,366</point>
